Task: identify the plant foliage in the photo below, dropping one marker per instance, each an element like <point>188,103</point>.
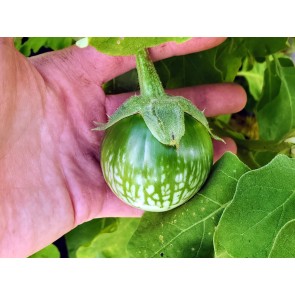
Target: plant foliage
<point>246,207</point>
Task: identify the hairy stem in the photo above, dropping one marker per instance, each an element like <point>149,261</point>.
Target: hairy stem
<point>149,81</point>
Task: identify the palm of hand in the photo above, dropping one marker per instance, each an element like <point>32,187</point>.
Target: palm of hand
<point>64,100</point>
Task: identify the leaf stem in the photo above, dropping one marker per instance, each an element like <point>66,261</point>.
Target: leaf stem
<point>263,146</point>
<point>251,145</point>
<point>149,81</point>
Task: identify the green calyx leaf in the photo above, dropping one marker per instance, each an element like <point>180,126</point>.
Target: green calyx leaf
<point>164,117</point>
<point>120,46</point>
<point>163,114</point>
<point>165,120</point>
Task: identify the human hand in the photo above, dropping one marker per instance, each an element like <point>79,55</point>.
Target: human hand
<point>50,174</point>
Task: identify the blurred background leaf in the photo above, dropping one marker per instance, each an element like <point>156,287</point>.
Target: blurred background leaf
<point>83,235</point>
<point>51,251</point>
<point>110,244</point>
<point>36,45</point>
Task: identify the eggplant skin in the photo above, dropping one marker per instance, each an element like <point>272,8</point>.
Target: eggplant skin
<point>149,175</point>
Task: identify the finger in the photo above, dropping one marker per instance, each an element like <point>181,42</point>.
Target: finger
<point>214,99</point>
<point>114,207</point>
<point>169,49</point>
<point>101,68</point>
<point>166,50</point>
<point>220,148</point>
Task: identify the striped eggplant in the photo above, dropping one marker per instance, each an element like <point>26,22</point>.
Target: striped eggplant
<point>157,151</point>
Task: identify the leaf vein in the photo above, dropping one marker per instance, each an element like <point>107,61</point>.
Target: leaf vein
<point>213,201</point>
<point>270,213</point>
<point>277,230</point>
<point>229,176</point>
<point>203,235</point>
<point>190,227</point>
<point>170,223</point>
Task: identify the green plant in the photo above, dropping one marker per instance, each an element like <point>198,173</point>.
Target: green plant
<point>164,152</point>
<point>246,207</point>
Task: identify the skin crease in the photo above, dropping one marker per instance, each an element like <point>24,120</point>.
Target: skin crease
<point>50,174</point>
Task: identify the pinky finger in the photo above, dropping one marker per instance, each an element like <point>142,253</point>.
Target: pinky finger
<point>220,147</point>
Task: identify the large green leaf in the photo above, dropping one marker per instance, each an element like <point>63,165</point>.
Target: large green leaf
<point>83,234</point>
<point>187,231</point>
<point>263,46</point>
<point>110,244</point>
<point>229,56</point>
<point>254,77</point>
<point>219,64</point>
<point>276,110</point>
<point>272,80</point>
<point>51,251</point>
<point>193,69</point>
<point>128,45</point>
<point>263,203</point>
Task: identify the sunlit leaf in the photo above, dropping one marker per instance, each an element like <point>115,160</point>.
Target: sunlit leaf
<point>263,203</point>
<point>129,45</point>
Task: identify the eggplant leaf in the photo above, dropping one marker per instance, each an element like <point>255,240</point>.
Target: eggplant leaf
<point>284,244</point>
<point>263,203</point>
<point>276,110</point>
<point>128,45</point>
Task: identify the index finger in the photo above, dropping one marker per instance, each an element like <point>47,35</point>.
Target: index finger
<point>103,68</point>
<point>213,99</point>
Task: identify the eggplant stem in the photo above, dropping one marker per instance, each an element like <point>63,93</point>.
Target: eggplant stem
<point>149,81</point>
